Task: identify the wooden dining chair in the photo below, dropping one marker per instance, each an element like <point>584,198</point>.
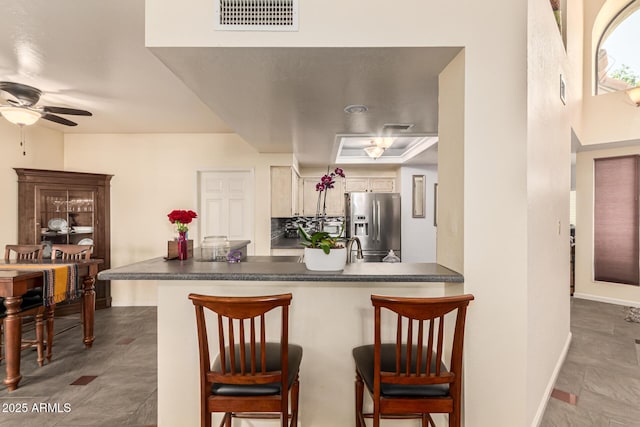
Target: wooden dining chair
<point>408,378</point>
<point>32,302</point>
<point>71,252</point>
<point>67,253</point>
<point>24,252</point>
<point>251,376</point>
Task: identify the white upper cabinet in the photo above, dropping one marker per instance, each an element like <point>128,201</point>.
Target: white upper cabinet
<point>334,202</point>
<point>375,185</point>
<point>356,184</point>
<point>284,192</point>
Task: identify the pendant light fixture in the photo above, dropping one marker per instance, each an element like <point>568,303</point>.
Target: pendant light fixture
<point>378,146</point>
<point>374,151</point>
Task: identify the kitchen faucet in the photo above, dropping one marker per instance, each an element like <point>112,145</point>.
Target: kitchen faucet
<point>359,255</point>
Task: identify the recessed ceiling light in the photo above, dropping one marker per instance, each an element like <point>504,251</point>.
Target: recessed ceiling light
<point>356,108</point>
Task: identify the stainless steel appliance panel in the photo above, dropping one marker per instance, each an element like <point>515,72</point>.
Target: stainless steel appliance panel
<point>371,256</point>
<point>387,221</point>
<point>375,219</point>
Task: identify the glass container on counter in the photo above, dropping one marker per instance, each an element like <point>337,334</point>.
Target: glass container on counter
<point>214,248</point>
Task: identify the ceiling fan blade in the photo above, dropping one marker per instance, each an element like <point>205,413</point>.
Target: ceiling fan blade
<point>63,110</point>
<point>24,94</point>
<point>58,119</point>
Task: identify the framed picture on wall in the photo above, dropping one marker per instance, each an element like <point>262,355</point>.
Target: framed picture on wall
<point>435,204</point>
<point>418,196</point>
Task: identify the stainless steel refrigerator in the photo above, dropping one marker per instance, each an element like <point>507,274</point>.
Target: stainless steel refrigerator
<point>374,218</point>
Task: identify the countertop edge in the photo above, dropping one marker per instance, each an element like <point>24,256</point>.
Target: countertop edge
<point>309,277</point>
<point>281,269</point>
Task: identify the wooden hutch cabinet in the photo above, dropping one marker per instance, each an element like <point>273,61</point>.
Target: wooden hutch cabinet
<point>56,207</point>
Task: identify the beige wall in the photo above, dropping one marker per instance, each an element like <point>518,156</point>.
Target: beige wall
<point>586,287</point>
<point>156,173</point>
<point>548,185</point>
<point>44,151</point>
<point>450,215</point>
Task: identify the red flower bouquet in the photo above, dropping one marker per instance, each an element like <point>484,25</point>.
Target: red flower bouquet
<point>181,218</point>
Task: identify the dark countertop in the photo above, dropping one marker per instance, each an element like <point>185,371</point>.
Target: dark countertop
<point>286,243</point>
<point>279,268</point>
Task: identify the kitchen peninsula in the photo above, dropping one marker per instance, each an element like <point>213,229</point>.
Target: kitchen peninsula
<point>330,314</point>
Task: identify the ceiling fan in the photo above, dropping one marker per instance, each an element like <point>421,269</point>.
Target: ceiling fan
<point>21,106</point>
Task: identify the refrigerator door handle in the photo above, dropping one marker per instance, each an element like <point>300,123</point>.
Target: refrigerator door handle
<point>373,221</point>
<point>378,220</point>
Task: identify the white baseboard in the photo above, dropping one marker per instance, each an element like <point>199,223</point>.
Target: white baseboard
<point>608,300</point>
<point>552,381</point>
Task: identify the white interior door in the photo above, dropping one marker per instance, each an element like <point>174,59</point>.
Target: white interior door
<point>226,205</point>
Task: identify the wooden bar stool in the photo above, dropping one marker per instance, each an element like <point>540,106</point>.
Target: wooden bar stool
<point>408,378</point>
<point>251,376</point>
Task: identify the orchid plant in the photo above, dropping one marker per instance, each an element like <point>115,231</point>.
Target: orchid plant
<point>320,240</point>
<point>326,182</point>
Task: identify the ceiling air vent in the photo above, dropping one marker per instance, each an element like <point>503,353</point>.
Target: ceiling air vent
<point>257,15</point>
<point>396,127</point>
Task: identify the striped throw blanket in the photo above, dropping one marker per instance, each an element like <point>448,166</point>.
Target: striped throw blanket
<point>61,282</point>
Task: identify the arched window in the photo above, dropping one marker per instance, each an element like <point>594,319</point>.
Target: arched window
<point>618,53</point>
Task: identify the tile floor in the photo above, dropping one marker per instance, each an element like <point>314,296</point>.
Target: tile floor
<point>601,372</point>
<point>114,383</point>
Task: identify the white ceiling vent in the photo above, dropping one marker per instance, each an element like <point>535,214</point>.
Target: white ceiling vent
<point>257,15</point>
<point>396,127</point>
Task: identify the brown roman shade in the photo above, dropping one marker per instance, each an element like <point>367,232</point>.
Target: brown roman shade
<point>616,241</point>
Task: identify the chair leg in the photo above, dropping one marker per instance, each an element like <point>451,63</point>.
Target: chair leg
<point>50,314</point>
<point>454,418</point>
<point>40,337</point>
<point>1,341</point>
<point>359,400</point>
<point>284,410</point>
<point>376,412</point>
<point>295,392</point>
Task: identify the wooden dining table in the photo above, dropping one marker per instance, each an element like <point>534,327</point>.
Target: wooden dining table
<point>15,282</point>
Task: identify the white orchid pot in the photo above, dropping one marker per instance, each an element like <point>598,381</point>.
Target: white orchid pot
<point>317,260</point>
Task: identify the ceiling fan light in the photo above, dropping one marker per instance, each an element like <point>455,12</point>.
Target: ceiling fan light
<point>374,151</point>
<point>634,94</point>
<point>20,116</point>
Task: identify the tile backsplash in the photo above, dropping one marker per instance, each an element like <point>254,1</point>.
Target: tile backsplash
<point>279,226</point>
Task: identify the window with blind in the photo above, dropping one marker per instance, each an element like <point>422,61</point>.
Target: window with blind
<point>616,234</point>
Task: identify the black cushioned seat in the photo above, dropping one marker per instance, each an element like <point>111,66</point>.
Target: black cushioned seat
<point>273,364</point>
<point>363,357</point>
